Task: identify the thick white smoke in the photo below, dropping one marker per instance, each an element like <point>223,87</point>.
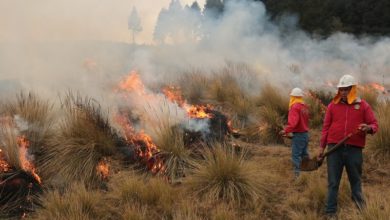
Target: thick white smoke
<point>52,46</point>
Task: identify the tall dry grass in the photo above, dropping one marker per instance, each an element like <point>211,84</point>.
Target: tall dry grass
<point>273,114</point>
<point>370,95</point>
<point>76,202</point>
<point>380,142</point>
<point>172,150</point>
<point>225,176</point>
<point>155,194</point>
<point>316,110</point>
<point>33,118</point>
<point>84,137</point>
<point>194,86</point>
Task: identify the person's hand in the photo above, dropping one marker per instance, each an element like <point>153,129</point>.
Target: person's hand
<point>320,154</point>
<point>364,127</point>
<point>282,133</point>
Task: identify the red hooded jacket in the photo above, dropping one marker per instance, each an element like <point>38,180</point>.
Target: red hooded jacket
<point>342,119</point>
<point>298,118</point>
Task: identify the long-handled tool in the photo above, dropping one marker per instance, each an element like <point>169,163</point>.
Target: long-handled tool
<point>314,163</point>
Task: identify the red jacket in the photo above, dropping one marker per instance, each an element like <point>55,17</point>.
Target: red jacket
<point>342,119</point>
<point>298,118</point>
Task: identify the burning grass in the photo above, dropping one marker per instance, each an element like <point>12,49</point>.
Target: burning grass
<point>19,182</point>
<point>172,150</point>
<point>84,138</point>
<point>34,119</point>
<point>225,176</point>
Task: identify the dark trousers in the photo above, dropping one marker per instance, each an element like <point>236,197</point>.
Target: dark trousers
<point>351,158</point>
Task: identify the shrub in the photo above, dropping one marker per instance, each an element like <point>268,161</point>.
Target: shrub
<point>225,176</point>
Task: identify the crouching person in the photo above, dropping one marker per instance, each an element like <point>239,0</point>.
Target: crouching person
<point>297,128</point>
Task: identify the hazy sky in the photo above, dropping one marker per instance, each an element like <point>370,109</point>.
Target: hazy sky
<point>59,20</point>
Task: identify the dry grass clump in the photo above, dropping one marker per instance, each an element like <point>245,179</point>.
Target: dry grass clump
<point>377,208</point>
<point>76,202</point>
<point>176,157</point>
<point>370,95</point>
<point>380,142</point>
<point>154,193</point>
<point>271,97</point>
<point>316,110</point>
<point>225,176</point>
<point>194,86</point>
<point>325,97</point>
<point>272,125</point>
<point>273,114</point>
<point>224,87</point>
<point>33,118</point>
<point>19,184</point>
<point>84,138</point>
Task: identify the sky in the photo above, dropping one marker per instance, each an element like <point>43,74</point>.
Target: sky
<point>75,20</point>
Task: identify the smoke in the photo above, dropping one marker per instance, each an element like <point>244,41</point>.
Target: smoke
<point>52,46</point>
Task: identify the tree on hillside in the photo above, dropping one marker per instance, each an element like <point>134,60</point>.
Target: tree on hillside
<point>134,23</point>
<point>177,24</point>
<point>213,8</point>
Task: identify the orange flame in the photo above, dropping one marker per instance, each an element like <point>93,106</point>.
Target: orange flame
<point>132,83</point>
<point>143,143</point>
<point>378,87</point>
<point>174,95</point>
<point>4,166</point>
<point>198,111</point>
<point>103,168</point>
<point>24,144</point>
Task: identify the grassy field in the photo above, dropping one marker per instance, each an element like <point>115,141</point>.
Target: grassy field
<point>92,168</point>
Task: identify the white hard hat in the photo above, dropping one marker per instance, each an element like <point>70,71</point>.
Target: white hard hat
<point>346,81</point>
<point>296,92</point>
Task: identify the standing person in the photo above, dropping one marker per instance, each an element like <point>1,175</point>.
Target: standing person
<point>297,127</point>
<point>347,113</point>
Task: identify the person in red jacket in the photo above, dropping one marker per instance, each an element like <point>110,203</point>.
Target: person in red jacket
<point>347,113</point>
<point>297,127</point>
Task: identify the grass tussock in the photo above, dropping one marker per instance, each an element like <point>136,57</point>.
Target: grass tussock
<point>33,118</point>
<point>370,95</point>
<point>225,176</point>
<point>84,138</point>
<point>316,110</point>
<point>176,157</point>
<point>271,97</point>
<point>75,202</point>
<point>380,142</point>
<point>378,208</point>
<point>271,125</point>
<point>224,88</point>
<point>195,91</point>
<point>155,193</point>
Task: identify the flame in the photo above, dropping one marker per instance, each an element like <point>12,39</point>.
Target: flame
<point>27,166</point>
<point>378,87</point>
<point>4,166</point>
<point>198,111</point>
<point>132,83</point>
<point>103,168</point>
<point>174,95</point>
<point>144,146</point>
